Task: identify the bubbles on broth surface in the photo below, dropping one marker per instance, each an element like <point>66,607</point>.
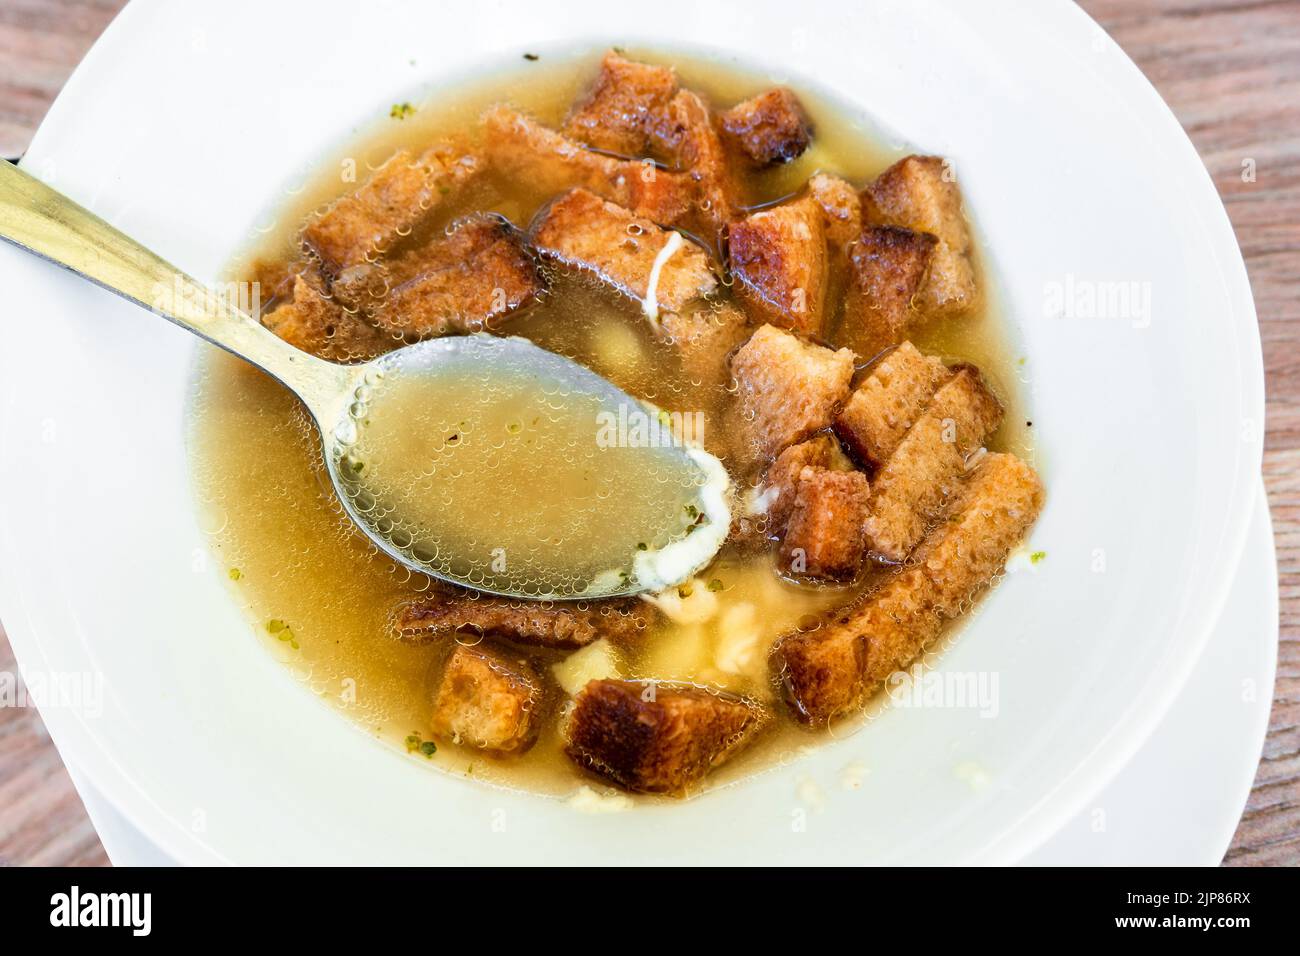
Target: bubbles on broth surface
<point>510,481</point>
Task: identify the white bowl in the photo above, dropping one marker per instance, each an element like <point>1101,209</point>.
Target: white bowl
<point>183,124</point>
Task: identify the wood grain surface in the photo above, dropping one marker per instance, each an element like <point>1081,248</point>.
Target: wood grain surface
<point>1230,69</point>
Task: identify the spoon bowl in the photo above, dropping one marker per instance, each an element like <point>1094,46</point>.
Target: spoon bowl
<point>632,516</point>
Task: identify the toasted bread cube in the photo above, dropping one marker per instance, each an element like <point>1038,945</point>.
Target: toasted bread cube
<point>704,336</point>
<point>827,671</point>
<point>618,110</point>
<point>823,534</point>
<point>782,478</point>
<point>887,403</point>
<point>997,501</point>
<point>788,389</point>
<point>316,324</point>
<point>397,196</point>
<point>564,625</point>
<point>658,738</point>
<point>464,280</point>
<point>770,128</point>
<point>920,193</point>
<point>686,132</point>
<point>910,491</point>
<point>621,249</point>
<point>887,269</point>
<point>488,697</point>
<point>778,257</point>
<point>841,208</point>
<point>520,148</point>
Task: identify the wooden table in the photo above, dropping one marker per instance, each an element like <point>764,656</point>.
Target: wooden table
<point>1231,71</point>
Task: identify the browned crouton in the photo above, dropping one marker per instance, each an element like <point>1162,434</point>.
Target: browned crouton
<point>827,671</point>
<point>823,534</point>
<point>887,268</point>
<point>685,131</point>
<point>657,738</point>
<point>463,280</point>
<point>920,193</point>
<point>887,403</point>
<point>782,478</point>
<point>769,128</point>
<point>562,625</point>
<point>778,257</point>
<point>315,324</point>
<point>986,518</point>
<point>841,208</point>
<point>398,195</point>
<point>912,487</point>
<point>520,148</point>
<point>788,389</point>
<point>617,113</point>
<point>488,697</point>
<point>621,249</point>
<point>704,335</point>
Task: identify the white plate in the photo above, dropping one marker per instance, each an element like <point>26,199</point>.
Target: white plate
<point>1158,811</point>
<point>183,124</point>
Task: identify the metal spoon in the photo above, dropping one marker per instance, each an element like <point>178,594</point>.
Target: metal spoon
<point>338,397</point>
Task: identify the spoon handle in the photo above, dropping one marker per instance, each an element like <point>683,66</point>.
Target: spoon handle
<point>51,225</point>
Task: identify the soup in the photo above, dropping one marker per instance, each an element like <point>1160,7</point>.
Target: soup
<point>754,262</point>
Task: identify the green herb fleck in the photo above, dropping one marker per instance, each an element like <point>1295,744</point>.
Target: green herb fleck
<point>428,748</point>
<point>401,110</point>
<point>531,57</point>
<point>235,574</point>
<point>642,546</point>
<point>275,626</point>
<point>715,584</point>
<point>1037,556</point>
<point>413,743</point>
<point>685,591</point>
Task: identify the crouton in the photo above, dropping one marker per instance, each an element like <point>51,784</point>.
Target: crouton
<point>566,625</point>
<point>618,110</point>
<point>770,128</point>
<point>396,197</point>
<point>827,671</point>
<point>520,148</point>
<point>887,269</point>
<point>658,738</point>
<point>910,490</point>
<point>685,130</point>
<point>841,208</point>
<point>778,257</point>
<point>488,697</point>
<point>316,324</point>
<point>463,280</point>
<point>621,249</point>
<point>782,476</point>
<point>704,335</point>
<point>823,533</point>
<point>887,403</point>
<point>788,389</point>
<point>987,517</point>
<point>919,193</point>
